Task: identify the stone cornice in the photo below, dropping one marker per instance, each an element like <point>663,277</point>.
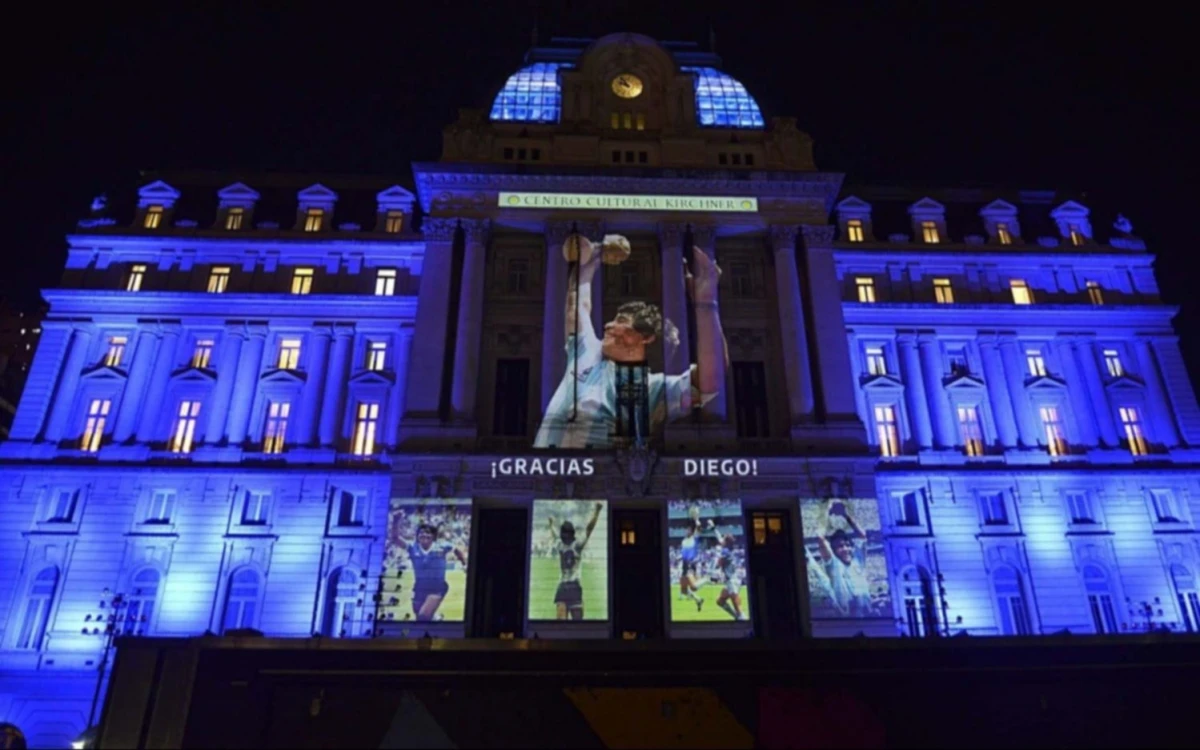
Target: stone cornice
<point>1003,254</point>
<point>1007,316</point>
<point>105,303</point>
<point>240,243</point>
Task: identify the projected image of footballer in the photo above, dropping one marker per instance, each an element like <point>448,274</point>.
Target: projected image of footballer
<point>428,558</point>
<point>568,597</point>
<point>844,558</point>
<point>730,598</point>
<point>689,555</point>
<point>423,539</point>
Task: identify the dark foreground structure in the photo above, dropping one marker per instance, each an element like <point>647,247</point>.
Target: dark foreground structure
<point>1051,691</point>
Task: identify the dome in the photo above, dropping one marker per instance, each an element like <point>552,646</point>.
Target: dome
<point>533,94</point>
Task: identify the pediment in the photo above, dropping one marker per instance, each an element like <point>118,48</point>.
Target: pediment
<point>371,377</point>
<point>1045,382</point>
<point>317,193</point>
<point>395,196</point>
<point>193,375</point>
<point>853,205</point>
<point>926,206</point>
<point>158,190</point>
<point>965,382</point>
<point>283,377</point>
<point>998,208</point>
<point>882,383</point>
<point>1069,209</point>
<point>238,191</point>
<point>1125,383</point>
<point>104,373</point>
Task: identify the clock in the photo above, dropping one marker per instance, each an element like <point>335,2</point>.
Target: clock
<point>627,86</point>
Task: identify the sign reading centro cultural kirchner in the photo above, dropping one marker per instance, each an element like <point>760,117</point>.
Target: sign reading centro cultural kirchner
<point>602,201</point>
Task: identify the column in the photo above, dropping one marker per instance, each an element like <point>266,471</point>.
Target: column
<point>332,403</point>
<point>828,325</point>
<point>37,400</point>
<point>792,333</point>
<point>227,365</point>
<point>153,407</point>
<point>711,343</point>
<point>1179,386</point>
<point>135,386</point>
<point>998,395</point>
<point>429,343</point>
<point>403,343</point>
<point>248,370</point>
<point>1014,370</point>
<point>918,408</point>
<point>1085,359</point>
<point>68,384</point>
<point>944,434</point>
<point>554,356</point>
<point>470,321</point>
<point>314,388</point>
<point>674,296</point>
<point>1165,432</point>
<point>1081,402</point>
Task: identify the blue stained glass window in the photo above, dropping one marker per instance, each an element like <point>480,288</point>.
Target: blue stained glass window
<point>532,94</point>
<point>723,102</point>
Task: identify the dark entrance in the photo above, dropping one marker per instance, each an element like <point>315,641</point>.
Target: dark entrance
<point>499,560</point>
<point>637,570</point>
<point>772,574</point>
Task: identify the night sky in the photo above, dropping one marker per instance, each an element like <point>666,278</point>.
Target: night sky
<point>1046,96</point>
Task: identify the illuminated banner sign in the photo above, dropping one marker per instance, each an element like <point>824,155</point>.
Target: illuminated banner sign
<point>606,202</point>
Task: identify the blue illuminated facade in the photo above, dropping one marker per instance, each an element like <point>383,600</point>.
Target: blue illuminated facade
<point>234,378</point>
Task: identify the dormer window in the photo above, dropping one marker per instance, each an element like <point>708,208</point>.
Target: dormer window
<point>234,217</point>
<point>1020,292</point>
<point>854,230</point>
<point>394,222</point>
<point>313,219</point>
<point>218,279</point>
<point>302,280</point>
<point>1003,236</point>
<point>929,232</point>
<point>1075,235</point>
<point>153,218</point>
<point>866,288</point>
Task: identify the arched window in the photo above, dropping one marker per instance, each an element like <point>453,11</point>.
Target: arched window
<point>920,603</point>
<point>37,609</point>
<point>1010,598</point>
<point>142,598</point>
<point>341,597</point>
<point>241,600</point>
<point>1100,599</point>
<point>1188,597</point>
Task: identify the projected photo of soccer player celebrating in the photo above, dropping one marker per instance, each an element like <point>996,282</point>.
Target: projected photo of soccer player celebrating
<point>706,546</point>
<point>427,551</point>
<point>572,583</point>
<point>843,556</point>
<point>583,410</point>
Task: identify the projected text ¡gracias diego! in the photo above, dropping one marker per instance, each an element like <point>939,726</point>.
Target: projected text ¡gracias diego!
<point>551,467</point>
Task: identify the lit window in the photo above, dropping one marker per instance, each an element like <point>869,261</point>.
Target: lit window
<point>995,510</point>
<point>37,609</point>
<point>929,232</point>
<point>393,222</point>
<point>854,230</point>
<point>313,218</point>
<point>1166,510</point>
<point>162,506</point>
<point>377,355</point>
<point>1131,422</point>
<point>218,279</point>
<point>627,120</point>
<point>518,275</point>
<point>366,423</point>
<point>233,218</point>
<point>942,291</point>
<point>641,121</point>
<point>1003,235</point>
<point>616,120</point>
<point>1095,293</point>
<point>1035,361</point>
<point>1076,235</point>
<point>1020,292</point>
<point>886,430</point>
<point>971,430</point>
<point>352,509</point>
<point>64,506</point>
<point>93,429</point>
<point>116,351</point>
<point>876,364</point>
<point>202,354</point>
<point>1079,505</point>
<point>276,427</point>
<point>866,288</point>
<point>153,218</point>
<point>302,280</point>
<point>255,507</point>
<point>185,426</point>
<point>1112,362</point>
<point>385,282</point>
<point>136,274</point>
<point>289,354</point>
<point>1056,443</point>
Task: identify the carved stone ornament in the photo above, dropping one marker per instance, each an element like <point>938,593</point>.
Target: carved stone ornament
<point>1123,225</point>
<point>818,235</point>
<point>438,229</point>
<point>476,230</point>
<point>637,465</point>
<point>99,204</point>
<point>783,236</point>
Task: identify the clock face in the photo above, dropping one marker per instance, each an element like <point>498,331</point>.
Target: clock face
<point>627,86</point>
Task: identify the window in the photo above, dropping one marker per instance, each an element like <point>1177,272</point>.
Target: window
<point>971,430</point>
<point>1079,506</point>
<point>628,533</point>
<point>352,509</point>
<point>749,160</point>
<point>233,218</point>
<point>1035,362</point>
<point>1187,596</point>
<point>116,351</point>
<point>740,282</point>
<point>1020,292</point>
<point>153,219</point>
<point>139,606</point>
<point>510,412</point>
<point>385,282</point>
<point>241,599</point>
<point>341,603</point>
<point>627,120</point>
<point>616,157</point>
<point>37,609</point>
<point>919,612</point>
<point>137,274</point>
<point>1131,422</point>
<point>1166,509</point>
<point>202,354</point>
<point>959,365</point>
<point>93,428</point>
<point>393,222</point>
<point>750,399</point>
<point>876,364</point>
<point>218,279</point>
<point>641,121</point>
<point>736,159</point>
<point>289,354</point>
<point>993,508</point>
<point>1100,601</point>
<point>62,509</point>
<point>907,507</point>
<point>302,280</point>
<point>255,507</point>
<point>943,293</point>
<point>1055,442</point>
<point>854,230</point>
<point>615,118</point>
<point>1010,598</point>
<point>366,424</point>
<point>1095,293</point>
<point>276,428</point>
<point>517,270</point>
<point>1076,235</point>
<point>1003,235</point>
<point>185,426</point>
<point>866,288</point>
<point>722,158</point>
<point>1112,363</point>
<point>313,218</point>
<point>376,355</point>
<point>929,232</point>
<point>630,281</point>
<point>886,430</point>
<point>162,507</point>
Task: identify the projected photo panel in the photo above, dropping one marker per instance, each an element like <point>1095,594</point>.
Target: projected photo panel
<point>844,555</point>
<point>706,543</point>
<point>568,561</point>
<point>425,560</point>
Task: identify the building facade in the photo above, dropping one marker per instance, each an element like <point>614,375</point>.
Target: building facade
<point>883,411</point>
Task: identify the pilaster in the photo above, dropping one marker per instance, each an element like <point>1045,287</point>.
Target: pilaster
<point>63,401</point>
<point>914,389</point>
<point>470,321</point>
<point>334,398</point>
<point>164,364</point>
<point>135,387</point>
<point>433,299</point>
<point>248,371</point>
